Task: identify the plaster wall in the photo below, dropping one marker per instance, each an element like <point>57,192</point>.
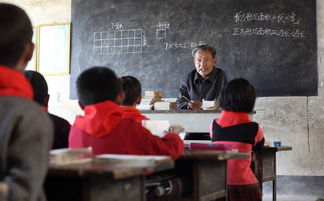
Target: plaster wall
<point>296,121</point>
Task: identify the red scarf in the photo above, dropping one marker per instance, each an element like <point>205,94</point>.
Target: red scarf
<point>133,113</point>
<point>100,119</point>
<point>229,118</point>
<point>14,83</point>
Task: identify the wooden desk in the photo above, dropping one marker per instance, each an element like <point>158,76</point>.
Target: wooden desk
<point>208,172</point>
<point>102,180</point>
<point>264,166</point>
<point>186,118</point>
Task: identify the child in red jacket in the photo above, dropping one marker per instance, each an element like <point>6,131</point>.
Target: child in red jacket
<point>132,90</point>
<point>234,127</point>
<point>104,127</point>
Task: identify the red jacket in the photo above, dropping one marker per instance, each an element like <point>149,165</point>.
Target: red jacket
<point>239,171</point>
<point>106,130</point>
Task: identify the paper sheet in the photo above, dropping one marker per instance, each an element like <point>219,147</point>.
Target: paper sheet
<point>157,127</point>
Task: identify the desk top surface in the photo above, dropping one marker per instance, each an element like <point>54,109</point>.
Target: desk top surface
<point>179,111</point>
<point>114,170</point>
<point>281,148</point>
<point>212,155</point>
<point>221,155</point>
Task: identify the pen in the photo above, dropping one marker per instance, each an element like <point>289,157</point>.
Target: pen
<point>187,99</point>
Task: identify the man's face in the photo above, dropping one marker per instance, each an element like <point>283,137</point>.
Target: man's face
<point>204,62</point>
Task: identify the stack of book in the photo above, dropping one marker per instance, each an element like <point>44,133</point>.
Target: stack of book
<point>150,97</point>
<point>165,105</point>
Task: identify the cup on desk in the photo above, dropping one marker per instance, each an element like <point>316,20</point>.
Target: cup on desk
<point>277,144</point>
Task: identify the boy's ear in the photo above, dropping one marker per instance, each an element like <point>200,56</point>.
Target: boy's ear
<point>81,105</point>
<point>25,57</point>
<point>138,100</point>
<point>46,100</point>
<point>120,98</point>
<point>29,52</point>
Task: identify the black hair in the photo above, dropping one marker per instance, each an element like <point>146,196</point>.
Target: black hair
<point>238,95</point>
<point>132,89</point>
<point>16,33</point>
<point>98,84</point>
<point>204,48</point>
<point>39,86</point>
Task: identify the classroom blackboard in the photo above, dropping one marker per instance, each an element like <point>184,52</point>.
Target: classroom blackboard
<point>272,43</point>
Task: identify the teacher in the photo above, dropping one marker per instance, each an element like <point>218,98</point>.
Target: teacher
<point>205,82</point>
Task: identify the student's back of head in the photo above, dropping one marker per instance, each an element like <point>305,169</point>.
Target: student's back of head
<point>26,130</point>
<point>98,84</point>
<point>132,89</point>
<point>238,96</point>
<point>61,126</point>
<point>15,35</point>
<point>39,86</point>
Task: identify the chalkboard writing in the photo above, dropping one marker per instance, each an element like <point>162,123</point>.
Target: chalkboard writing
<point>272,43</point>
<point>281,18</point>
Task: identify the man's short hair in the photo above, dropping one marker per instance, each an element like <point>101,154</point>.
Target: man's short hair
<point>132,89</point>
<point>238,96</point>
<point>39,86</point>
<point>16,32</point>
<point>98,84</point>
<point>204,48</point>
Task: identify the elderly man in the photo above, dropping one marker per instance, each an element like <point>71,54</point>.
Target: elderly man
<point>205,82</point>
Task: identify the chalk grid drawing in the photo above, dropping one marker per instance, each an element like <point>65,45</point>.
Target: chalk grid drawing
<point>118,41</point>
<point>160,34</point>
<point>161,31</point>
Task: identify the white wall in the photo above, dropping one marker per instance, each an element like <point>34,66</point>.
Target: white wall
<point>49,12</point>
<point>296,121</point>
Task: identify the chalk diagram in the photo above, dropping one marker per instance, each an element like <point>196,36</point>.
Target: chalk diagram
<point>118,41</point>
<point>131,41</point>
<point>161,30</point>
<point>160,34</point>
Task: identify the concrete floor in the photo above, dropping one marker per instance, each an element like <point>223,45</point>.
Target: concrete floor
<point>268,197</point>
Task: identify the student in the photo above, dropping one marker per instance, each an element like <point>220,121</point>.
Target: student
<point>234,127</point>
<point>132,90</point>
<point>25,130</point>
<point>41,96</point>
<point>103,126</point>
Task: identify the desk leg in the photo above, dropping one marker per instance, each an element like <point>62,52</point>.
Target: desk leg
<point>209,180</point>
<point>269,170</point>
<point>274,182</point>
<point>101,188</point>
<point>259,169</point>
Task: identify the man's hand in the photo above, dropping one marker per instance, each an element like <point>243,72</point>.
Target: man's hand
<point>195,105</point>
